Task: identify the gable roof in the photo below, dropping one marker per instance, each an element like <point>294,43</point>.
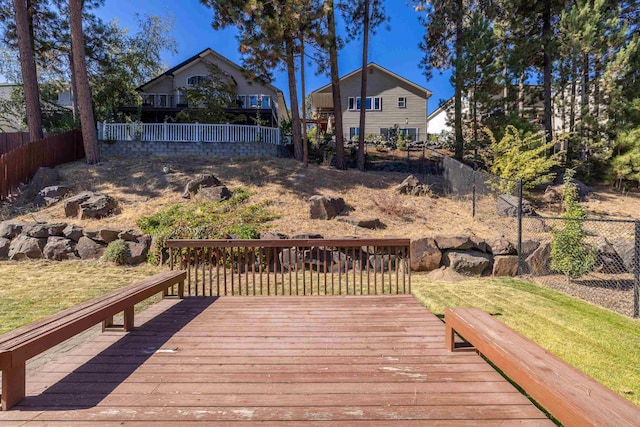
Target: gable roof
<point>384,70</point>
<point>441,108</point>
<point>196,57</point>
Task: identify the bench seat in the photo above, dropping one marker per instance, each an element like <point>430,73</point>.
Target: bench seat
<point>572,397</point>
<point>18,346</point>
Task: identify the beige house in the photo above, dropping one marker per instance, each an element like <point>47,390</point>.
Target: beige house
<point>163,97</point>
<point>392,102</point>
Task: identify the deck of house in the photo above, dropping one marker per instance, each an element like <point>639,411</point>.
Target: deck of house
<point>276,361</point>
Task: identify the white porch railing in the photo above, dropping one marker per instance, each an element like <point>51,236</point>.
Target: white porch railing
<point>187,132</point>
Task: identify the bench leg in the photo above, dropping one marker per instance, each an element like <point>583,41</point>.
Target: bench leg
<point>449,338</point>
<point>128,319</point>
<point>181,290</point>
<point>107,323</point>
<point>13,386</point>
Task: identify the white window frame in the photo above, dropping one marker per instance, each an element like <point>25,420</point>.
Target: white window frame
<point>402,102</point>
<point>200,78</point>
<point>251,99</point>
<point>266,98</point>
<point>242,98</point>
<point>353,103</point>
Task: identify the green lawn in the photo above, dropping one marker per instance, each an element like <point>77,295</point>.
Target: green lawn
<point>601,343</point>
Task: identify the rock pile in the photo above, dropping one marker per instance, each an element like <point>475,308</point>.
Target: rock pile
<point>208,187</point>
<point>62,241</point>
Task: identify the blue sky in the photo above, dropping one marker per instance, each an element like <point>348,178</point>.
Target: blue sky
<point>395,49</point>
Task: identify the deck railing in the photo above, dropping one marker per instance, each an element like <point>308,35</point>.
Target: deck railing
<point>293,266</point>
<point>187,132</point>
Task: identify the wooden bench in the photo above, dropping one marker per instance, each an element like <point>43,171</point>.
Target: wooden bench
<point>572,397</point>
<point>20,345</point>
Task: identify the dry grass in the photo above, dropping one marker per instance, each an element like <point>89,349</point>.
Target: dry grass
<point>142,189</point>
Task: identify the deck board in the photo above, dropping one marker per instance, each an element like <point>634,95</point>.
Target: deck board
<point>238,361</point>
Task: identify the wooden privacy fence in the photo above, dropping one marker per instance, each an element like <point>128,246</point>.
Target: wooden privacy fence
<point>20,164</point>
<point>12,140</point>
<point>293,266</point>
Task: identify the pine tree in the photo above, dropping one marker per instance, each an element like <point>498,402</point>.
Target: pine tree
<point>332,48</point>
<point>570,254</point>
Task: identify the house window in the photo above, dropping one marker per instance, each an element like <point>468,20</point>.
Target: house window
<point>253,101</point>
<point>196,80</point>
<point>372,103</point>
<point>402,102</point>
<point>354,132</point>
<point>241,100</point>
<point>412,132</point>
<point>266,101</point>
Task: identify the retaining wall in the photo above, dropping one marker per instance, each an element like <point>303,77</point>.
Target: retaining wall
<point>218,149</point>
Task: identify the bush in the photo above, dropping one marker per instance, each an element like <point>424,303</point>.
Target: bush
<point>116,252</point>
<point>206,220</point>
<point>570,254</point>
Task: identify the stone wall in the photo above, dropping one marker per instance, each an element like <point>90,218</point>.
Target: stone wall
<point>217,149</point>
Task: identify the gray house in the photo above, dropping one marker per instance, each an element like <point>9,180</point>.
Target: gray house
<point>392,101</point>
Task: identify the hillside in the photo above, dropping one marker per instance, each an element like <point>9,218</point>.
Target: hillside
<point>141,188</point>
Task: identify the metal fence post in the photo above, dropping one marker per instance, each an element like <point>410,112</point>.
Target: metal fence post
<point>636,272</point>
<point>473,194</point>
<point>520,258</point>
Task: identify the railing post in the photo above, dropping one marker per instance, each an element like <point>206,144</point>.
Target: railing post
<point>197,133</point>
<point>473,194</point>
<point>636,272</point>
<point>132,128</point>
<point>520,258</point>
<point>164,131</point>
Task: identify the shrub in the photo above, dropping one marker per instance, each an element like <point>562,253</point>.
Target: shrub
<point>116,252</point>
<point>206,220</point>
<point>570,254</point>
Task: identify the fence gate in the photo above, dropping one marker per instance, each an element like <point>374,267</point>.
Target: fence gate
<point>293,266</point>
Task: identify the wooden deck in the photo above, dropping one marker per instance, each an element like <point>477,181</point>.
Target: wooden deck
<point>277,361</point>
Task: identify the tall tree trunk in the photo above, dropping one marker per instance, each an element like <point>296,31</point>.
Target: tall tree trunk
<point>596,89</point>
<point>335,85</point>
<point>505,89</point>
<point>572,100</point>
<point>293,98</point>
<point>459,83</point>
<point>74,90</point>
<point>305,142</point>
<point>363,86</point>
<point>521,82</point>
<point>28,68</point>
<point>584,99</point>
<point>87,121</point>
<point>546,39</point>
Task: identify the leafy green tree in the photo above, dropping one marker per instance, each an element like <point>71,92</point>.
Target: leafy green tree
<point>570,254</point>
<point>626,165</point>
<point>208,100</point>
<point>522,157</point>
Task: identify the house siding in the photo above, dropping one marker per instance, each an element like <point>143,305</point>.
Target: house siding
<point>170,84</point>
<point>389,89</point>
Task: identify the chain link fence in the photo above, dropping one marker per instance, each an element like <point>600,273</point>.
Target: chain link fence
<point>593,259</point>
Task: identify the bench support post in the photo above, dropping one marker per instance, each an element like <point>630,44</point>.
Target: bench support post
<point>449,338</point>
<point>13,386</point>
<point>128,319</point>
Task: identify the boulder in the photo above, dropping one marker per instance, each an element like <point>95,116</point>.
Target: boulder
<point>539,261</point>
<point>38,230</point>
<point>528,247</point>
<point>505,265</point>
<point>425,255</point>
<point>44,177</point>
<point>507,205</point>
<point>129,235</point>
<point>479,245</point>
<point>59,248</point>
<point>50,195</point>
<point>329,259</point>
<point>24,246</point>
<point>289,257</point>
<point>607,259</point>
<point>307,236</point>
<point>325,208</point>
<point>56,228</point>
<point>468,263</point>
<point>462,243</point>
<point>273,236</point>
<point>407,185</point>
<point>502,246</point>
<point>10,229</point>
<point>137,250</point>
<point>198,183</point>
<point>89,249</point>
<point>215,194</point>
<point>89,205</point>
<point>73,232</point>
<point>372,224</point>
<point>626,251</point>
<point>382,263</point>
<point>583,190</point>
<point>5,244</point>
<point>104,235</point>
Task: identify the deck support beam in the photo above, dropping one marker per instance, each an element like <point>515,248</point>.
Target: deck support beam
<point>13,386</point>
